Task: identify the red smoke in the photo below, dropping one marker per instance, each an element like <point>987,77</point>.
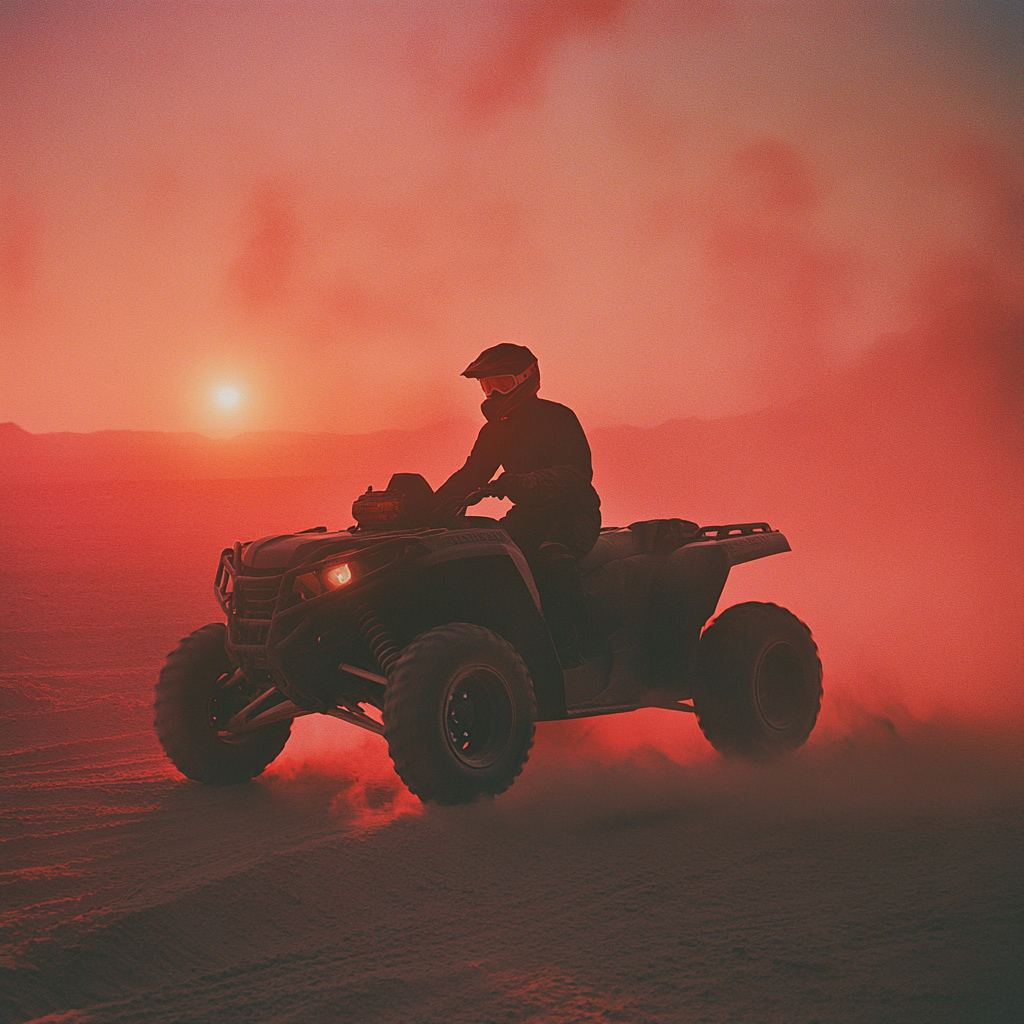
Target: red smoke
<point>484,69</point>
<point>344,771</point>
<point>335,203</point>
<point>19,241</point>
<point>776,287</point>
<point>263,270</point>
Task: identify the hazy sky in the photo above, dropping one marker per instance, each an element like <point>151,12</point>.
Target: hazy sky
<point>686,208</point>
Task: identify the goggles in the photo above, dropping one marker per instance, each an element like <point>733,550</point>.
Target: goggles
<point>506,382</point>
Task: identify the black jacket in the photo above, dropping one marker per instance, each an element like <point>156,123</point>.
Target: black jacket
<point>545,455</point>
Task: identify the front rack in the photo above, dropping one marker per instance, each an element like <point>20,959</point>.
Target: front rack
<point>224,582</point>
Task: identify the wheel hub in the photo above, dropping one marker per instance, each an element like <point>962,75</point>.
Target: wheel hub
<point>479,717</point>
<point>226,700</point>
<point>779,687</point>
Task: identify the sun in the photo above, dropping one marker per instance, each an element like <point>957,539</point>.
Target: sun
<point>227,397</point>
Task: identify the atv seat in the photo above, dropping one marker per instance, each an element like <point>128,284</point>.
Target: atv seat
<point>611,545</point>
<point>639,539</point>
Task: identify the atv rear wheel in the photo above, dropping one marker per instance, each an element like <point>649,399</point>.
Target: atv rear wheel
<point>760,681</point>
<point>459,714</point>
<point>196,695</point>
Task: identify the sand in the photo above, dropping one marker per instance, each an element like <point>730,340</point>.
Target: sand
<point>876,876</point>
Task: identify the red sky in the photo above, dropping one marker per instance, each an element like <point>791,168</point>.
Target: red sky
<point>686,209</point>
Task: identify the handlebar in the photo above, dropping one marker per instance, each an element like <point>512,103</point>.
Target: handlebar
<point>456,506</point>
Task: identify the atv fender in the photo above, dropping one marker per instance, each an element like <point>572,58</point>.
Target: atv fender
<point>479,576</point>
<point>684,595</point>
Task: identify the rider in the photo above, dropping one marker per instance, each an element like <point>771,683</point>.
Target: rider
<point>556,516</point>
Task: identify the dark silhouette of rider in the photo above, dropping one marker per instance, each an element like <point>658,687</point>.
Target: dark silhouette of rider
<point>556,516</point>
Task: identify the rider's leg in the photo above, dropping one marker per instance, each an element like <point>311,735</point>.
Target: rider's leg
<point>552,546</point>
<point>561,597</point>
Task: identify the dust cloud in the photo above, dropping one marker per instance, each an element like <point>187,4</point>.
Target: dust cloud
<point>632,771</point>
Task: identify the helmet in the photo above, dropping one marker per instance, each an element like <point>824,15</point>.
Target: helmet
<point>499,360</point>
<point>508,375</point>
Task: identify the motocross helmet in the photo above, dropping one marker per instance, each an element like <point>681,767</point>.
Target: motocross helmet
<point>508,375</point>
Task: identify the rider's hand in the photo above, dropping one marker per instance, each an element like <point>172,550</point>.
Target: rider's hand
<point>493,489</point>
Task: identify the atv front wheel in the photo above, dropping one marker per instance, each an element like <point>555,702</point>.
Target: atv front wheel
<point>760,681</point>
<point>459,714</point>
<point>198,692</point>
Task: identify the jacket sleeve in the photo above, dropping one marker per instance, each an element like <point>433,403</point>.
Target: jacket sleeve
<point>481,465</point>
<point>544,486</point>
<point>570,476</point>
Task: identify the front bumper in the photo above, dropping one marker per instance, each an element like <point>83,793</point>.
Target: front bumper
<point>276,635</point>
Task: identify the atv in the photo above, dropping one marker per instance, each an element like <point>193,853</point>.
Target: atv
<point>426,627</point>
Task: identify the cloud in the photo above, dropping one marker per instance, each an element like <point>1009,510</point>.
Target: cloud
<point>20,230</point>
<point>263,271</point>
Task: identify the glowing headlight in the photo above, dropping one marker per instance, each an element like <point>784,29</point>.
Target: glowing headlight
<point>337,576</point>
<point>315,584</point>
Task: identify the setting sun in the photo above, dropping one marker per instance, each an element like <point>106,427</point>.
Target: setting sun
<point>227,397</point>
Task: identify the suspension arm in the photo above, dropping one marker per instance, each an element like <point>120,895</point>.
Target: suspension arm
<point>286,711</point>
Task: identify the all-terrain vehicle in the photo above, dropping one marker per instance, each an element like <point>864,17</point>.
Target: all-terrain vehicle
<point>427,628</point>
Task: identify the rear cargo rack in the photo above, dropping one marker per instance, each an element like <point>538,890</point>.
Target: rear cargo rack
<point>733,530</point>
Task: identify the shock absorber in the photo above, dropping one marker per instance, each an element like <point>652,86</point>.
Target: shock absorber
<point>378,639</point>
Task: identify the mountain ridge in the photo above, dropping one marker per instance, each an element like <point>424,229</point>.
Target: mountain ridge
<point>953,382</point>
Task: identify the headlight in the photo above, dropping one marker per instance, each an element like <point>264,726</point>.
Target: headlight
<point>337,576</point>
<point>314,584</point>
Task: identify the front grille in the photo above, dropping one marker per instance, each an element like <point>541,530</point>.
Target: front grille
<point>256,598</point>
<point>253,602</point>
<point>249,634</point>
